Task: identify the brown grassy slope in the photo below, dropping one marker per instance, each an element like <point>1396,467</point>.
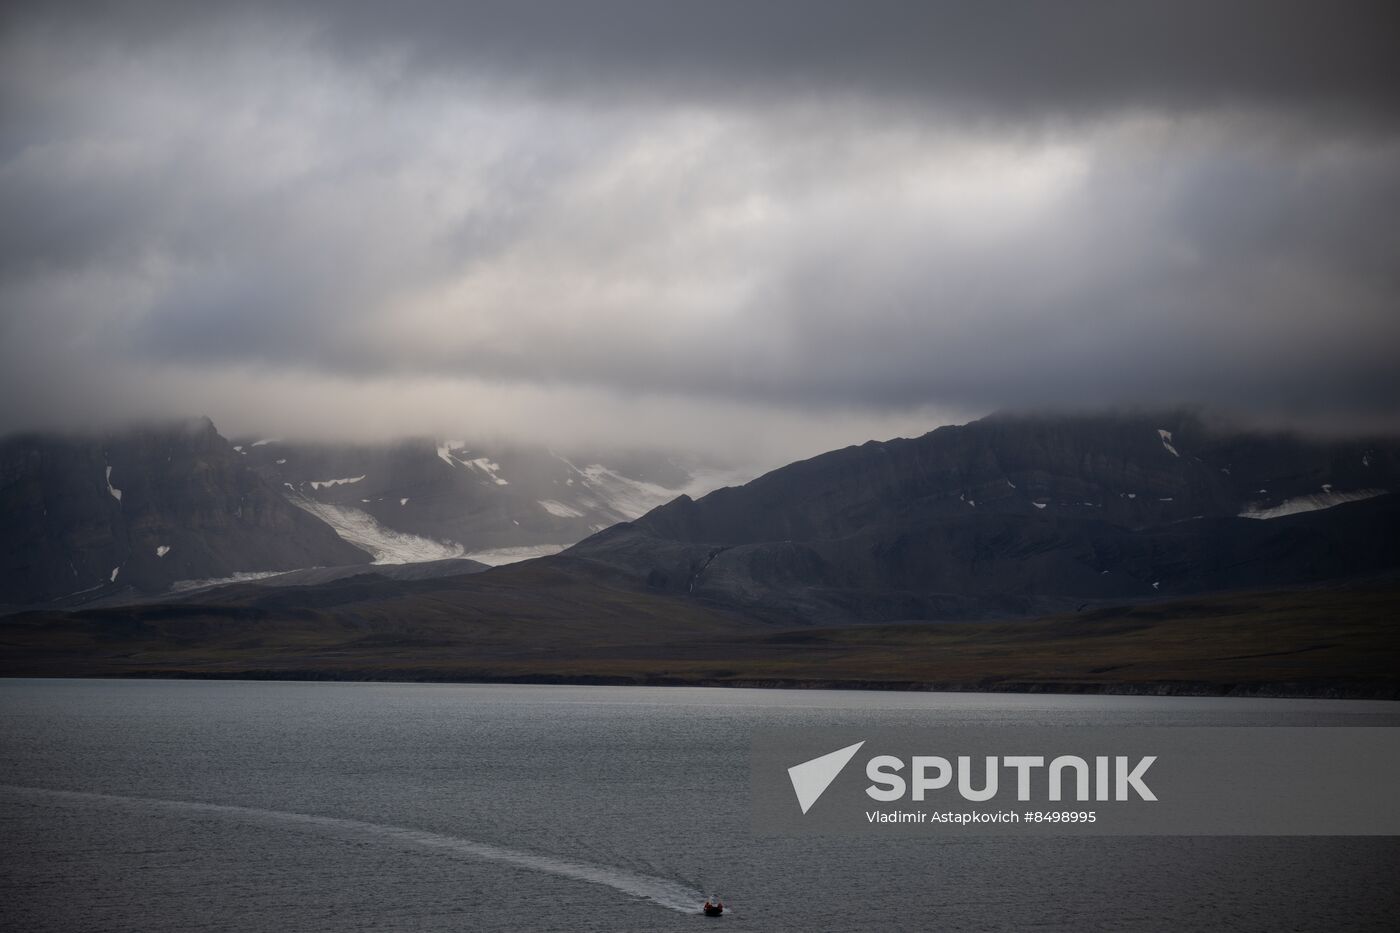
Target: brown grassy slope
<point>1336,637</point>
<point>526,610</point>
<point>549,621</point>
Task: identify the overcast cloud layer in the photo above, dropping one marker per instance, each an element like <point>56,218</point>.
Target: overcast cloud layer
<point>780,226</point>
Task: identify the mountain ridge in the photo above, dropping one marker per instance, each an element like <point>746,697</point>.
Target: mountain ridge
<point>1024,514</point>
<point>1002,554</point>
<point>143,508</point>
<point>162,507</point>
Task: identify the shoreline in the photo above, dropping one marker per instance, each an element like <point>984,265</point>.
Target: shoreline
<point>1204,689</point>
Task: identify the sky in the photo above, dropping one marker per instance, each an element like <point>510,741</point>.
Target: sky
<point>768,228</point>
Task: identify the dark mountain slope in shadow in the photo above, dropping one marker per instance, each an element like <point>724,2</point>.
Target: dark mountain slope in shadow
<point>140,510</point>
<point>1275,562</point>
<point>1021,516</point>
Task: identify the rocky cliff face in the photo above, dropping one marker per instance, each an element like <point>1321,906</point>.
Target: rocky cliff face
<point>1024,514</point>
<point>143,510</point>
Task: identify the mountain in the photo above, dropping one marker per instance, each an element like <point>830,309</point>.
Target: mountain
<point>1020,515</point>
<point>1153,553</point>
<point>141,510</point>
<point>419,500</point>
<point>178,508</point>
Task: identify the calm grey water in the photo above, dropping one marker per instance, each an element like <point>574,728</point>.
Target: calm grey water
<point>169,805</point>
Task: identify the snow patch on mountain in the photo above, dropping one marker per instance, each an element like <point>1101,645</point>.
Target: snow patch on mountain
<point>495,557</point>
<point>485,464</point>
<point>385,545</point>
<point>624,497</point>
<point>1166,437</point>
<point>489,467</point>
<point>162,550</point>
<point>444,452</point>
<point>327,483</point>
<point>244,576</point>
<point>559,509</point>
<point>1309,503</point>
<point>112,491</point>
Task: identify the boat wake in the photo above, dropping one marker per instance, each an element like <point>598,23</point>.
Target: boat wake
<point>660,891</point>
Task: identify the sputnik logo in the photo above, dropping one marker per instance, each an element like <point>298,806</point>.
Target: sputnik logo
<point>811,778</point>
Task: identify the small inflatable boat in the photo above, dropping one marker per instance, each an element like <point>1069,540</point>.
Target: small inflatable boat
<point>713,907</point>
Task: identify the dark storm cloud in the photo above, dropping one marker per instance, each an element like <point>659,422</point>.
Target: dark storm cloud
<point>554,217</point>
<point>1021,58</point>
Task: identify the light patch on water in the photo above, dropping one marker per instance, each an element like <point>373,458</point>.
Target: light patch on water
<point>663,892</point>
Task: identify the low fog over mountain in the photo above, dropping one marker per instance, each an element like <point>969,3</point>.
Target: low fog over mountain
<point>630,330</point>
<point>179,507</point>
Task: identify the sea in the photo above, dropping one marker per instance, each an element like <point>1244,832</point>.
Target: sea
<point>167,805</point>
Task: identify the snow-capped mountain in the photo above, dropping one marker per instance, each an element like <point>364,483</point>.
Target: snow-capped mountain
<point>431,499</point>
<point>174,508</point>
<point>86,517</point>
<point>1025,514</point>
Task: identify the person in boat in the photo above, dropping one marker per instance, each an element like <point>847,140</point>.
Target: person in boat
<point>713,905</point>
